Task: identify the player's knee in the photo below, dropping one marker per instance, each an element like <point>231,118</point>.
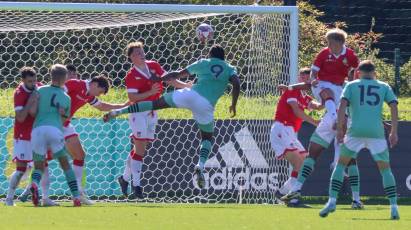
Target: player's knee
<point>314,150</point>
<point>352,162</point>
<point>382,165</point>
<point>326,94</point>
<point>64,163</point>
<point>160,104</point>
<point>207,136</point>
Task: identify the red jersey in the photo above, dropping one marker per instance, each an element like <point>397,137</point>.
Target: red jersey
<point>78,91</point>
<point>285,114</point>
<point>333,68</point>
<point>22,130</point>
<point>137,81</point>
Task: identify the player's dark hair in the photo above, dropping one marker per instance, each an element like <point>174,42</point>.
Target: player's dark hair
<point>305,70</point>
<point>217,51</point>
<point>102,82</point>
<point>366,66</point>
<point>58,71</point>
<point>27,72</point>
<point>132,45</point>
<point>71,68</point>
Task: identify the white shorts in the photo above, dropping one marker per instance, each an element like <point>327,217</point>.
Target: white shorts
<point>69,131</point>
<point>325,133</point>
<point>374,145</point>
<point>23,151</point>
<point>143,125</point>
<point>284,139</point>
<point>47,137</point>
<point>336,89</point>
<point>203,111</point>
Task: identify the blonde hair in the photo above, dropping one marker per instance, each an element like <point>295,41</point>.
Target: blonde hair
<point>305,70</point>
<point>336,35</point>
<point>58,72</point>
<point>132,45</point>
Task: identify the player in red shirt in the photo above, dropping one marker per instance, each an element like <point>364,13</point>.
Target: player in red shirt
<point>84,92</point>
<point>143,124</point>
<point>72,72</point>
<point>24,99</point>
<point>287,122</point>
<point>329,71</point>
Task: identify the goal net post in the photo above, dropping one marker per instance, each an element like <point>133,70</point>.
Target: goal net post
<point>260,41</point>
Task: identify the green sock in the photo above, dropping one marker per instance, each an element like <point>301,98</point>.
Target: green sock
<point>72,182</point>
<point>354,178</point>
<point>138,107</point>
<point>390,188</point>
<point>36,176</point>
<point>336,182</point>
<point>306,169</point>
<point>205,149</point>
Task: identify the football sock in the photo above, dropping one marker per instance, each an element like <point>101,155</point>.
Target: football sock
<point>205,149</point>
<point>72,182</point>
<point>390,187</point>
<point>45,183</point>
<point>135,108</point>
<point>36,176</point>
<point>336,182</point>
<point>78,166</point>
<point>127,170</point>
<point>14,182</point>
<point>136,164</point>
<point>354,178</point>
<point>306,169</point>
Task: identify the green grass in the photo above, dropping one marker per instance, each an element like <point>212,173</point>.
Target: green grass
<point>198,216</point>
<point>248,108</point>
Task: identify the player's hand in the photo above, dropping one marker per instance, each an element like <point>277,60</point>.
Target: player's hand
<point>189,84</point>
<point>340,136</point>
<point>155,88</point>
<point>314,83</point>
<point>393,138</point>
<point>154,77</point>
<point>107,117</point>
<point>34,97</point>
<point>316,123</point>
<point>282,87</point>
<point>387,126</point>
<point>233,110</point>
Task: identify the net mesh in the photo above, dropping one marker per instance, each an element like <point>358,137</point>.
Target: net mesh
<point>242,166</point>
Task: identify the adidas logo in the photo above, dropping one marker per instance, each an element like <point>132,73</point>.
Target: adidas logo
<point>228,170</point>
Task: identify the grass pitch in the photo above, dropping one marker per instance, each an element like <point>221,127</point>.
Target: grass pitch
<point>198,216</point>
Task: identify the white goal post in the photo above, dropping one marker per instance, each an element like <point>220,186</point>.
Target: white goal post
<point>261,41</point>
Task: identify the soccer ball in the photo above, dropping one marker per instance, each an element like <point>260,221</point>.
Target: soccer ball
<point>204,32</point>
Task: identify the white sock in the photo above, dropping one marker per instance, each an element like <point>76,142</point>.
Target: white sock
<point>286,186</point>
<point>394,206</point>
<point>78,171</point>
<point>136,171</point>
<point>296,186</point>
<point>332,200</point>
<point>127,169</point>
<point>14,182</point>
<point>356,196</point>
<point>45,183</point>
<point>331,108</point>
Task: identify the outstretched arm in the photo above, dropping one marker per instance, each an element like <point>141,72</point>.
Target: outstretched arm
<point>235,92</point>
<point>171,76</point>
<point>300,113</point>
<point>301,86</point>
<point>104,106</point>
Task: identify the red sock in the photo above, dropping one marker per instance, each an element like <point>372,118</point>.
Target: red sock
<point>294,174</point>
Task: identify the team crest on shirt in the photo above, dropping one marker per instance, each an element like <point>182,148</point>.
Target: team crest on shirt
<point>345,61</point>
